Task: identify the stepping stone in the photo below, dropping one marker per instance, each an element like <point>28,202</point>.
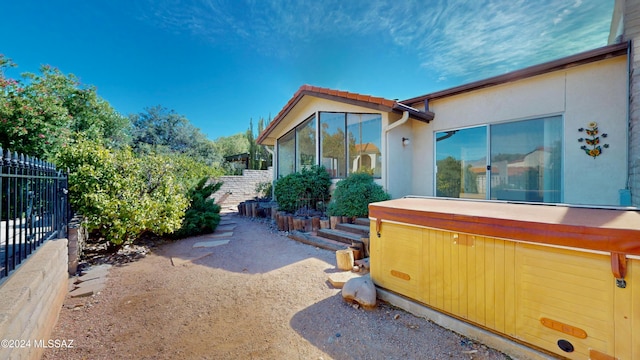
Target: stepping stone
<point>222,234</point>
<point>94,273</point>
<point>175,261</point>
<point>207,244</point>
<point>88,288</point>
<point>225,227</point>
<point>337,280</point>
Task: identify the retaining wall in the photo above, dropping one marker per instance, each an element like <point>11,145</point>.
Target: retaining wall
<point>30,301</point>
<point>237,189</point>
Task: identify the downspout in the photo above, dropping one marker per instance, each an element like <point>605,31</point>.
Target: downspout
<point>626,197</point>
<point>402,121</point>
<point>273,177</point>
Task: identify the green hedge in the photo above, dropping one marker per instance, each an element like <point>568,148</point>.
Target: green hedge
<point>353,195</point>
<point>305,188</point>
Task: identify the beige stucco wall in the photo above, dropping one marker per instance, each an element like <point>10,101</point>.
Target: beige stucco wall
<point>400,172</point>
<point>586,93</point>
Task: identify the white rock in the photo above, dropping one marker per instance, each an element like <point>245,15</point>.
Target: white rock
<point>361,290</point>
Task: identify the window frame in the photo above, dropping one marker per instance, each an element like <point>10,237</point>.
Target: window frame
<point>489,178</point>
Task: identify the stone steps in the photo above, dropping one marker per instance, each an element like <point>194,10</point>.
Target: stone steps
<point>357,229</point>
<point>335,239</point>
<point>342,236</point>
<point>318,241</point>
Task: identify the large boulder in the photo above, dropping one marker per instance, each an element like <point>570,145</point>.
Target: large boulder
<point>360,290</point>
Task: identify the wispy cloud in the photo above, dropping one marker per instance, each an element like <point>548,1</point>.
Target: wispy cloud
<point>461,39</point>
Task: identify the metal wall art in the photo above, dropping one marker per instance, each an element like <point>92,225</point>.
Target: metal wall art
<point>592,147</point>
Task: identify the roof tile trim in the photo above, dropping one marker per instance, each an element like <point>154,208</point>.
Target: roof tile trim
<point>310,90</point>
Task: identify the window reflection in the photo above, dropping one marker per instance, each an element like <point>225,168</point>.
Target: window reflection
<point>461,161</point>
<point>332,150</point>
<point>526,160</point>
<point>286,154</point>
<point>364,136</point>
<point>306,144</point>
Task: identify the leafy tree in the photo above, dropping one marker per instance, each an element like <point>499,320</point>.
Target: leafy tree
<point>353,195</point>
<point>160,130</point>
<point>259,158</point>
<point>449,178</point>
<point>43,113</point>
<point>232,145</point>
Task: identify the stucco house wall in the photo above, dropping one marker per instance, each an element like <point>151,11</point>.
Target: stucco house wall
<point>399,169</point>
<point>582,94</point>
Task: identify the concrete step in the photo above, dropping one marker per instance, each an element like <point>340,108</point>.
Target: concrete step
<point>339,235</point>
<point>362,221</point>
<point>321,242</point>
<point>361,230</point>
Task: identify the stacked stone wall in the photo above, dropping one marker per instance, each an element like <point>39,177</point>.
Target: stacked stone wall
<point>30,302</point>
<point>236,189</point>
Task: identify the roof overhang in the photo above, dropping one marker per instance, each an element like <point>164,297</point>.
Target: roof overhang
<point>366,101</point>
<point>586,57</point>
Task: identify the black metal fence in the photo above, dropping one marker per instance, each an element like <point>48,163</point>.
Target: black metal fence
<point>33,208</point>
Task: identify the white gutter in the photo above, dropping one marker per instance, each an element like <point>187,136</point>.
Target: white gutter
<point>402,121</point>
<point>273,177</point>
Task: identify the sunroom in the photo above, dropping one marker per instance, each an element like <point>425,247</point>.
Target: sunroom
<point>342,131</point>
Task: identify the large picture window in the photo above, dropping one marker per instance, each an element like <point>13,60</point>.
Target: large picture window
<point>286,154</point>
<point>364,136</point>
<point>306,144</point>
<point>461,162</point>
<point>349,142</point>
<point>332,145</point>
<point>521,161</point>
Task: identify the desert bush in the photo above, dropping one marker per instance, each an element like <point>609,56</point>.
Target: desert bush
<point>264,190</point>
<point>121,195</point>
<point>203,215</point>
<point>307,187</point>
<point>353,195</point>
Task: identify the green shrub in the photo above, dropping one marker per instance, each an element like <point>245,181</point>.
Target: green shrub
<point>264,190</point>
<point>353,195</point>
<point>203,215</point>
<point>306,188</point>
<point>121,195</point>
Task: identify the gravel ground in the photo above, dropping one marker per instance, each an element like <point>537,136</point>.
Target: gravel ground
<point>261,296</point>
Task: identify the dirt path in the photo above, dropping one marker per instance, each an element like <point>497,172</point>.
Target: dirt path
<point>261,296</point>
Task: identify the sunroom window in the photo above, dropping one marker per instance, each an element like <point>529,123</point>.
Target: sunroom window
<point>332,145</point>
<point>306,144</point>
<point>524,161</point>
<point>364,136</point>
<point>351,142</point>
<point>348,142</point>
<point>286,154</point>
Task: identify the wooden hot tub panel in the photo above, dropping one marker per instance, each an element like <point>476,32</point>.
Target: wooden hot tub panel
<point>563,300</point>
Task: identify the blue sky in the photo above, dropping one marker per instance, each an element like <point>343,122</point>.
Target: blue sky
<point>221,63</point>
